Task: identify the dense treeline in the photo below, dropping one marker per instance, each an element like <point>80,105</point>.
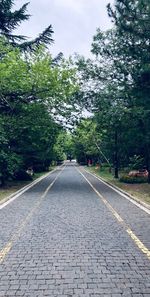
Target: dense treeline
<point>116,88</point>
<point>35,92</point>
<point>38,94</point>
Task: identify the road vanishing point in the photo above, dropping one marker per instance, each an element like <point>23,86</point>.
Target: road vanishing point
<point>70,234</point>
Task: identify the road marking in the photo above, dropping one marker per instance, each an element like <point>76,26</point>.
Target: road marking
<point>24,189</point>
<point>5,251</point>
<point>120,193</point>
<point>139,243</point>
<point>16,235</point>
<point>136,240</point>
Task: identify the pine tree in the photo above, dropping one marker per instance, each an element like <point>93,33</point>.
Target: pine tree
<point>132,22</point>
<point>10,20</point>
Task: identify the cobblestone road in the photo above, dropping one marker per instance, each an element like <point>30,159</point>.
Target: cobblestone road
<point>64,241</point>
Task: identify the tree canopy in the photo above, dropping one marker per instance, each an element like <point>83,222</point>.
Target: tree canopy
<point>116,84</point>
<point>10,19</point>
<point>36,96</point>
<point>40,95</point>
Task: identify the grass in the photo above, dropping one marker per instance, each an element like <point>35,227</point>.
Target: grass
<point>140,191</point>
<point>13,186</point>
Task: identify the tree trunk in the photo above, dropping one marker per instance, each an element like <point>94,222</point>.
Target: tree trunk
<point>116,172</point>
<point>116,155</point>
<point>146,147</point>
<point>148,164</point>
<point>149,176</point>
<point>147,154</point>
<point>3,181</point>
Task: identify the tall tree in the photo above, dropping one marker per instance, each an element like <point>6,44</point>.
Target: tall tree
<point>10,20</point>
<point>117,83</point>
<point>132,21</point>
<point>34,93</point>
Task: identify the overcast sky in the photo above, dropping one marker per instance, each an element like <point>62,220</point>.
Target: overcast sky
<point>74,22</point>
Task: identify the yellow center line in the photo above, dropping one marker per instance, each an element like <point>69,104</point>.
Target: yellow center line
<point>136,240</point>
<point>5,251</point>
<point>16,235</point>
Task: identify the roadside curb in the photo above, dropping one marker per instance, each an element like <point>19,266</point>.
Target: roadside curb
<point>16,194</point>
<point>119,190</point>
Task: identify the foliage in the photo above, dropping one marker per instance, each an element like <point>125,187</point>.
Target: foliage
<point>132,179</point>
<point>68,146</point>
<point>87,142</point>
<point>34,94</point>
<point>39,95</point>
<point>64,148</point>
<point>59,154</point>
<point>116,85</point>
<point>10,20</point>
<point>35,79</point>
<point>22,175</point>
<point>132,20</point>
<point>136,162</point>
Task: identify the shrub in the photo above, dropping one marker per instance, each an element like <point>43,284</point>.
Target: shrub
<point>133,179</point>
<point>22,175</point>
<point>136,162</point>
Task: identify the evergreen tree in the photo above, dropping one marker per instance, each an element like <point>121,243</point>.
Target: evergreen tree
<point>116,85</point>
<point>10,20</point>
<point>132,22</point>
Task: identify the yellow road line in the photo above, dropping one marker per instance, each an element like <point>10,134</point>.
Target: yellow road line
<point>139,243</point>
<point>16,235</point>
<point>5,251</point>
<point>12,197</point>
<point>136,240</point>
<point>122,193</point>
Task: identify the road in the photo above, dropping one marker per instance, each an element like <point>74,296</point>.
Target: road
<point>72,235</point>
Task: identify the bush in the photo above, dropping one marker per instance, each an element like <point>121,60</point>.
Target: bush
<point>39,168</point>
<point>136,162</point>
<point>22,175</point>
<point>105,165</point>
<point>59,162</point>
<point>133,179</point>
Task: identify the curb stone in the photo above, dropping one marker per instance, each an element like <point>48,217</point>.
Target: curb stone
<point>25,188</point>
<point>120,190</point>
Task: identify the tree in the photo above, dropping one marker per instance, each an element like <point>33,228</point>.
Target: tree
<point>64,147</point>
<point>132,21</point>
<point>10,20</point>
<point>34,94</point>
<point>34,79</point>
<point>69,146</point>
<point>87,142</point>
<point>117,83</point>
<point>9,161</point>
<point>104,90</point>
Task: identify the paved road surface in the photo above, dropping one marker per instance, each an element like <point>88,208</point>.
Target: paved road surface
<point>61,239</point>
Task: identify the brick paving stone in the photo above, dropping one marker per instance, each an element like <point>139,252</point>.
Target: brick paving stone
<point>73,246</point>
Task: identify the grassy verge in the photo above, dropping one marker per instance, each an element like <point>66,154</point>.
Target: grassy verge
<point>139,191</point>
<point>13,186</point>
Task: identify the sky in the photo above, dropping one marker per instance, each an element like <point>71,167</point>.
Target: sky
<point>74,23</point>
